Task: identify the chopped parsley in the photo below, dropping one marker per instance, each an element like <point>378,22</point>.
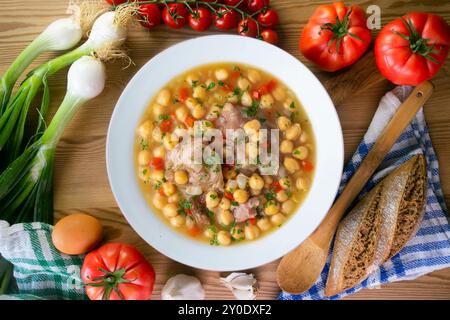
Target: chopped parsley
<point>270,195</point>
<point>185,204</point>
<point>194,83</point>
<point>221,83</point>
<point>210,214</point>
<point>296,151</point>
<point>234,203</point>
<point>163,117</point>
<point>210,86</point>
<point>252,110</point>
<point>236,68</point>
<point>292,105</point>
<point>157,185</point>
<point>144,144</point>
<point>277,114</point>
<point>213,196</point>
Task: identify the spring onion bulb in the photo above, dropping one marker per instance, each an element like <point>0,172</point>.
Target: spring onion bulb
<point>108,33</point>
<point>61,34</point>
<point>26,187</point>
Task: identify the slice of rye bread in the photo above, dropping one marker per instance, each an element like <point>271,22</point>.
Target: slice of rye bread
<point>404,193</point>
<point>355,243</point>
<point>364,242</point>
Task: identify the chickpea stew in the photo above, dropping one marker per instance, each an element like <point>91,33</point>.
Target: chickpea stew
<point>224,203</point>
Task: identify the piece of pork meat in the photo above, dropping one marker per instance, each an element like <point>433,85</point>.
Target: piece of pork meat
<point>245,211</point>
<point>230,118</point>
<point>198,211</point>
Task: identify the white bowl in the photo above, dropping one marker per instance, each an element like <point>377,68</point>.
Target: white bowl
<point>160,70</point>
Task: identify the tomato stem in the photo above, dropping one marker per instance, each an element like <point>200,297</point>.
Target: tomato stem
<point>340,30</point>
<point>110,280</point>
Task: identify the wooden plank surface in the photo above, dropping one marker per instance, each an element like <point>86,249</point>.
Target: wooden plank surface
<point>81,183</point>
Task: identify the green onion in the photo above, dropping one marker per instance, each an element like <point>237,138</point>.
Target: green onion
<point>61,34</point>
<point>26,186</point>
<point>105,36</point>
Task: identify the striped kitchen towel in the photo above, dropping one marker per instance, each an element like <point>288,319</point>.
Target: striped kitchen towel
<point>429,249</point>
<point>40,270</point>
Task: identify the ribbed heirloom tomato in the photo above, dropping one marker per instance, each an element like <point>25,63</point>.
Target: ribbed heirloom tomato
<point>335,36</point>
<point>117,271</point>
<point>412,49</point>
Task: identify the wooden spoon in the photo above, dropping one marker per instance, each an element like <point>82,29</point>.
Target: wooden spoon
<point>300,268</point>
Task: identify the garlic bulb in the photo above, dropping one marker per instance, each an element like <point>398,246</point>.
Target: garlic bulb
<point>242,285</point>
<point>183,287</point>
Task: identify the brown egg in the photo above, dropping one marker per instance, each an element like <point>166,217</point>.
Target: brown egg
<point>77,233</point>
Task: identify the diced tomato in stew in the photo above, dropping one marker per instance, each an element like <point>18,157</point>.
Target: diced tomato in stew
<point>158,163</point>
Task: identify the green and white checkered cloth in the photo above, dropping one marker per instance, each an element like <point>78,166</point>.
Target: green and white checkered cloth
<point>40,270</point>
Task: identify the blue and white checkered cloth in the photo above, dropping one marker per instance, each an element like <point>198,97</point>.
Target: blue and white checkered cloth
<point>429,249</point>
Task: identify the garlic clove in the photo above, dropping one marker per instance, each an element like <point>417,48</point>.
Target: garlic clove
<point>183,287</point>
<point>242,285</point>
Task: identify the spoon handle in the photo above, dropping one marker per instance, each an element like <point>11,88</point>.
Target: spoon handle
<point>403,116</point>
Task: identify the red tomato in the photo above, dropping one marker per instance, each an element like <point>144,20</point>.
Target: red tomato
<point>166,125</point>
<point>270,36</point>
<point>307,166</point>
<point>256,95</point>
<point>226,19</point>
<point>158,163</point>
<point>117,271</point>
<point>175,15</point>
<point>247,28</point>
<point>276,186</point>
<point>189,121</point>
<point>235,3</point>
<point>200,19</point>
<point>183,94</point>
<point>268,18</point>
<point>335,36</point>
<point>412,49</point>
<point>228,195</point>
<point>150,15</point>
<point>256,5</point>
<point>194,231</point>
<point>116,2</point>
<point>252,221</point>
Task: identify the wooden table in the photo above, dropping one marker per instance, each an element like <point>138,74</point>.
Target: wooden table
<point>81,182</point>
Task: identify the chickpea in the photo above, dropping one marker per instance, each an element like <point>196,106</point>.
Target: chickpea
<point>285,183</point>
<point>168,142</point>
<point>282,196</point>
<point>168,188</point>
<point>300,153</point>
<point>159,201</point>
<point>237,233</point>
<point>181,177</point>
<point>191,79</point>
<point>271,208</point>
<point>145,129</point>
<point>293,132</point>
<point>291,164</point>
<point>175,198</point>
<point>243,84</point>
<point>212,199</point>
<point>279,93</point>
<point>266,101</point>
<point>267,181</point>
<point>181,113</point>
<point>163,97</point>
<point>225,217</point>
<point>286,146</point>
<point>304,137</point>
<point>144,157</point>
<point>224,238</point>
<point>241,196</point>
<point>144,173</point>
<point>251,232</point>
<point>159,152</point>
<point>254,76</point>
<point>289,104</point>
<point>232,98</point>
<point>302,183</point>
<point>191,103</point>
<point>199,93</point>
<point>157,175</point>
<point>246,99</point>
<point>264,224</point>
<point>225,204</point>
<point>278,219</point>
<point>221,74</point>
<point>198,112</point>
<point>170,210</point>
<point>214,112</point>
<point>255,192</point>
<point>283,123</point>
<point>252,126</point>
<point>209,233</point>
<point>288,206</point>
<point>177,221</point>
<point>157,134</point>
<point>158,110</point>
<point>256,182</point>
